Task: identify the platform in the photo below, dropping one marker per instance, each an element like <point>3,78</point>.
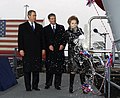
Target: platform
<point>18,91</point>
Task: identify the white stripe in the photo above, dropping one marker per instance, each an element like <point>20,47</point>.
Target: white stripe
<point>8,38</point>
<point>13,23</point>
<point>17,23</point>
<point>9,49</point>
<point>7,43</point>
<point>14,28</point>
<point>11,28</point>
<point>10,33</point>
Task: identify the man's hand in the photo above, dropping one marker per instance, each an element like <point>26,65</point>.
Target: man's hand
<point>61,47</point>
<point>22,53</point>
<point>43,54</point>
<point>51,48</point>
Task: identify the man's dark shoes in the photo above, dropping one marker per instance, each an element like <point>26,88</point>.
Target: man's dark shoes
<point>58,88</point>
<point>28,90</point>
<point>47,87</point>
<point>36,89</point>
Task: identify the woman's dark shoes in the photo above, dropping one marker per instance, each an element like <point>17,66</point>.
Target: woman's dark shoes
<point>71,90</point>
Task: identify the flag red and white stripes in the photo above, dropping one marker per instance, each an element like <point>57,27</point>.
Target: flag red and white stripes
<point>9,42</point>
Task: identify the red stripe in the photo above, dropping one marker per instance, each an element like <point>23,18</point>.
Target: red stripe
<point>9,52</point>
<point>11,30</point>
<point>8,41</point>
<point>8,46</point>
<point>16,20</point>
<point>6,52</point>
<point>13,36</point>
<point>39,20</point>
<point>12,26</point>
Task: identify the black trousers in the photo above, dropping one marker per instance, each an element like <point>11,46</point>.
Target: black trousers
<point>27,80</point>
<point>57,80</point>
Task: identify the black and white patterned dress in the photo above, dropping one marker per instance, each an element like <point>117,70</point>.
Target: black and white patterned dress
<point>73,62</point>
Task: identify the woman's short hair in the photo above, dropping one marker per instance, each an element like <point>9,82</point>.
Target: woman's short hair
<point>73,18</point>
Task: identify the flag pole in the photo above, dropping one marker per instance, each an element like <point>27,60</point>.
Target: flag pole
<point>26,8</point>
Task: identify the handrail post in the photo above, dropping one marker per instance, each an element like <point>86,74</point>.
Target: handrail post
<point>15,62</point>
<point>105,72</point>
<point>109,72</point>
<point>90,25</point>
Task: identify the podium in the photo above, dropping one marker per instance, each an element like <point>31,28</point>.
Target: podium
<point>7,77</point>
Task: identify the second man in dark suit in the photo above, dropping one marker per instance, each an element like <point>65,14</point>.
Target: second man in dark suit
<point>54,51</point>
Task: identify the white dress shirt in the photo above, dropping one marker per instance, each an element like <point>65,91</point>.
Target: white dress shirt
<point>53,25</point>
<point>32,23</point>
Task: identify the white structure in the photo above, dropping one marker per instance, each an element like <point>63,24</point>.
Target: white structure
<point>112,8</point>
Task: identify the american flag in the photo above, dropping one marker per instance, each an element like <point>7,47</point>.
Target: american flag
<point>109,61</point>
<point>9,34</point>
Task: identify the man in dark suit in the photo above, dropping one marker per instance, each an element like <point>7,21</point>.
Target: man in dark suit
<point>54,51</point>
<point>30,46</point>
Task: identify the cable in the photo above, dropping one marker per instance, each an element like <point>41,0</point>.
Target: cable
<point>102,23</point>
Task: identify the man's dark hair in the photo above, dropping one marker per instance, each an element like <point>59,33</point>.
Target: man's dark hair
<point>50,15</point>
<point>30,11</point>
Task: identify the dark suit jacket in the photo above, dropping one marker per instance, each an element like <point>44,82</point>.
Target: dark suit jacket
<point>56,39</point>
<point>32,43</point>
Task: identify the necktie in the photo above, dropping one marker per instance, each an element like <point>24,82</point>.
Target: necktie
<point>32,26</point>
<point>53,28</point>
